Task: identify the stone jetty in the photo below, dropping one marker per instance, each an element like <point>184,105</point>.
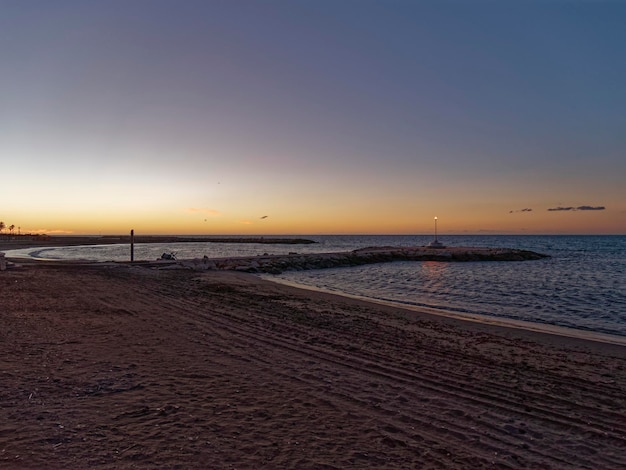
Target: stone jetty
<point>275,264</point>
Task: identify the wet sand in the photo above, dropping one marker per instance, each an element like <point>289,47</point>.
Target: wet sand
<point>130,367</point>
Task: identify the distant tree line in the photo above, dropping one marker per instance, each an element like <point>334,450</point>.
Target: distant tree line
<point>11,229</point>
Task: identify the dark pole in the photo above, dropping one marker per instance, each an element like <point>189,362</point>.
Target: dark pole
<point>132,246</point>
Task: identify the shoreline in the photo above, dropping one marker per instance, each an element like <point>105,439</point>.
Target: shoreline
<point>489,320</point>
<point>266,265</point>
<point>122,366</point>
<point>18,242</point>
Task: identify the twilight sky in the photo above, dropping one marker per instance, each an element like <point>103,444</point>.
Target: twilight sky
<point>311,117</point>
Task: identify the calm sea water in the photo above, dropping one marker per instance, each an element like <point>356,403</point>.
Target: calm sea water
<point>582,285</point>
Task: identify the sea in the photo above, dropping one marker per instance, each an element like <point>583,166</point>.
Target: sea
<point>582,285</point>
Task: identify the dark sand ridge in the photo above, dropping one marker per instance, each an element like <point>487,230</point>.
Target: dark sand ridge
<point>130,367</point>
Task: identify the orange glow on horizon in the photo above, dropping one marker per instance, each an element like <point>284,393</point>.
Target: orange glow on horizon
<point>318,217</point>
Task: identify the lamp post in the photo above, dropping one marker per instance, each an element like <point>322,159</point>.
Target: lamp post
<point>436,243</point>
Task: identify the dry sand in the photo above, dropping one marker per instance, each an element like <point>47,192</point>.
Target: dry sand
<point>128,367</point>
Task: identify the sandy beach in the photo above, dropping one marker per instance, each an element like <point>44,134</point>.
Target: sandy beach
<point>130,367</point>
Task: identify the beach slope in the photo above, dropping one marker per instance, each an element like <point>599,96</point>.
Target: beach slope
<point>129,367</point>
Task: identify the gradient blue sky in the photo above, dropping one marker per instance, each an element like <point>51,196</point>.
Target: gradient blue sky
<point>339,116</point>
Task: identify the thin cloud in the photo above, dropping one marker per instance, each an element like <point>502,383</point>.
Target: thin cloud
<point>520,210</point>
<point>579,208</point>
<point>590,208</point>
<point>245,222</point>
<point>208,212</point>
<point>45,231</point>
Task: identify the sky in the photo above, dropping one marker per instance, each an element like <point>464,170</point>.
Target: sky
<point>313,117</point>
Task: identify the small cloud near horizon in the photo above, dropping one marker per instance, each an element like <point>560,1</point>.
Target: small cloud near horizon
<point>43,231</point>
<point>209,212</point>
<point>579,208</point>
<point>521,210</point>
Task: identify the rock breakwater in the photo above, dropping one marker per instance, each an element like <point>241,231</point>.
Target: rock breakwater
<point>275,264</point>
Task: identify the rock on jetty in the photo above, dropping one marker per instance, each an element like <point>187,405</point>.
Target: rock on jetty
<point>275,264</point>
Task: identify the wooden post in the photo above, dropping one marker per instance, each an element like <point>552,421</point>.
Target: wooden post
<point>132,246</point>
<point>3,263</point>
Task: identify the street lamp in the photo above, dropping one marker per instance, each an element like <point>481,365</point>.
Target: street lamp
<point>436,243</point>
